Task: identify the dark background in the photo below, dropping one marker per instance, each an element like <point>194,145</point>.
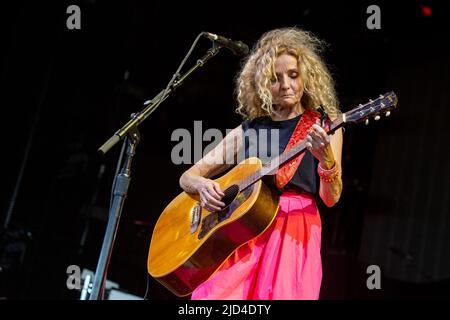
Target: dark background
<point>64,92</point>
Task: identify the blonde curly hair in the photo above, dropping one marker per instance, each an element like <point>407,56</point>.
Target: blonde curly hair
<point>253,82</point>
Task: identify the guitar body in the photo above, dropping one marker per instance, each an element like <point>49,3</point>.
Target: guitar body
<point>189,243</point>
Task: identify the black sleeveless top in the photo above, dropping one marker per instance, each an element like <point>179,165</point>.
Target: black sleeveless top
<point>262,142</point>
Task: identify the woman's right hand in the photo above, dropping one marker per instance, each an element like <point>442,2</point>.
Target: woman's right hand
<point>210,194</point>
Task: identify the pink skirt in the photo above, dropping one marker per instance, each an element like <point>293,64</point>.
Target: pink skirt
<point>283,263</point>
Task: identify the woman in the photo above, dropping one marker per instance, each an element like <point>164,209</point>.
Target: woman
<point>281,86</point>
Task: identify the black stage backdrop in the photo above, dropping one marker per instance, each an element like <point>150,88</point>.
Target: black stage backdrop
<point>64,92</point>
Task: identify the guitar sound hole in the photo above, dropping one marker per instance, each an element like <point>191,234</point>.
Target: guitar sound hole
<point>230,194</point>
<point>233,199</point>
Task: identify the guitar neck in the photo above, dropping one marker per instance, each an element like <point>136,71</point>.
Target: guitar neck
<point>383,104</point>
<point>272,166</point>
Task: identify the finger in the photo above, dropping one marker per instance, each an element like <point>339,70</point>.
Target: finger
<point>206,193</point>
<point>309,139</point>
<point>203,193</point>
<point>321,132</point>
<point>317,126</point>
<point>314,147</point>
<point>218,189</point>
<point>316,132</point>
<point>317,140</point>
<point>212,201</point>
<point>213,192</point>
<point>313,144</point>
<point>313,132</point>
<point>204,196</point>
<point>210,207</point>
<point>320,139</point>
<point>202,201</point>
<point>204,204</point>
<point>317,145</point>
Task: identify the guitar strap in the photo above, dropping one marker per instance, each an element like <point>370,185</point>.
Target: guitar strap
<point>287,170</point>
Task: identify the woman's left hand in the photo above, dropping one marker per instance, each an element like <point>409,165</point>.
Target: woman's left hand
<point>318,143</point>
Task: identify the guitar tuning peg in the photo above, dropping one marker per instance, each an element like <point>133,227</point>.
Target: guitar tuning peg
<point>367,122</point>
<point>377,118</point>
<point>388,113</point>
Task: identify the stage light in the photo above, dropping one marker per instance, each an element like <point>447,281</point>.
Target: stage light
<point>426,11</point>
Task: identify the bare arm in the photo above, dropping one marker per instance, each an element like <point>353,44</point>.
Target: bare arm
<point>223,156</point>
<point>328,150</point>
<point>330,192</point>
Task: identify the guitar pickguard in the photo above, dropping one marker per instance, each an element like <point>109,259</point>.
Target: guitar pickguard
<point>217,217</point>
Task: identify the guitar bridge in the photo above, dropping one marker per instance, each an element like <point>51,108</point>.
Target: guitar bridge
<point>195,217</point>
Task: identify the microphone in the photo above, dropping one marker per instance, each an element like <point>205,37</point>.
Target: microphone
<point>237,47</point>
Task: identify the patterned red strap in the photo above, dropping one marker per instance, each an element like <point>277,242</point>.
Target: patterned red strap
<point>287,170</point>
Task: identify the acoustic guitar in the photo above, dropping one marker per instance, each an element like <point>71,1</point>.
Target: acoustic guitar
<point>189,243</point>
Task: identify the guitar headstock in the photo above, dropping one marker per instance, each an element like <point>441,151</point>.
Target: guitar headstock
<point>374,108</point>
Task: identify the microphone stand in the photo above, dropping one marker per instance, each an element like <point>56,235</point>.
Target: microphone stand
<point>130,134</point>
